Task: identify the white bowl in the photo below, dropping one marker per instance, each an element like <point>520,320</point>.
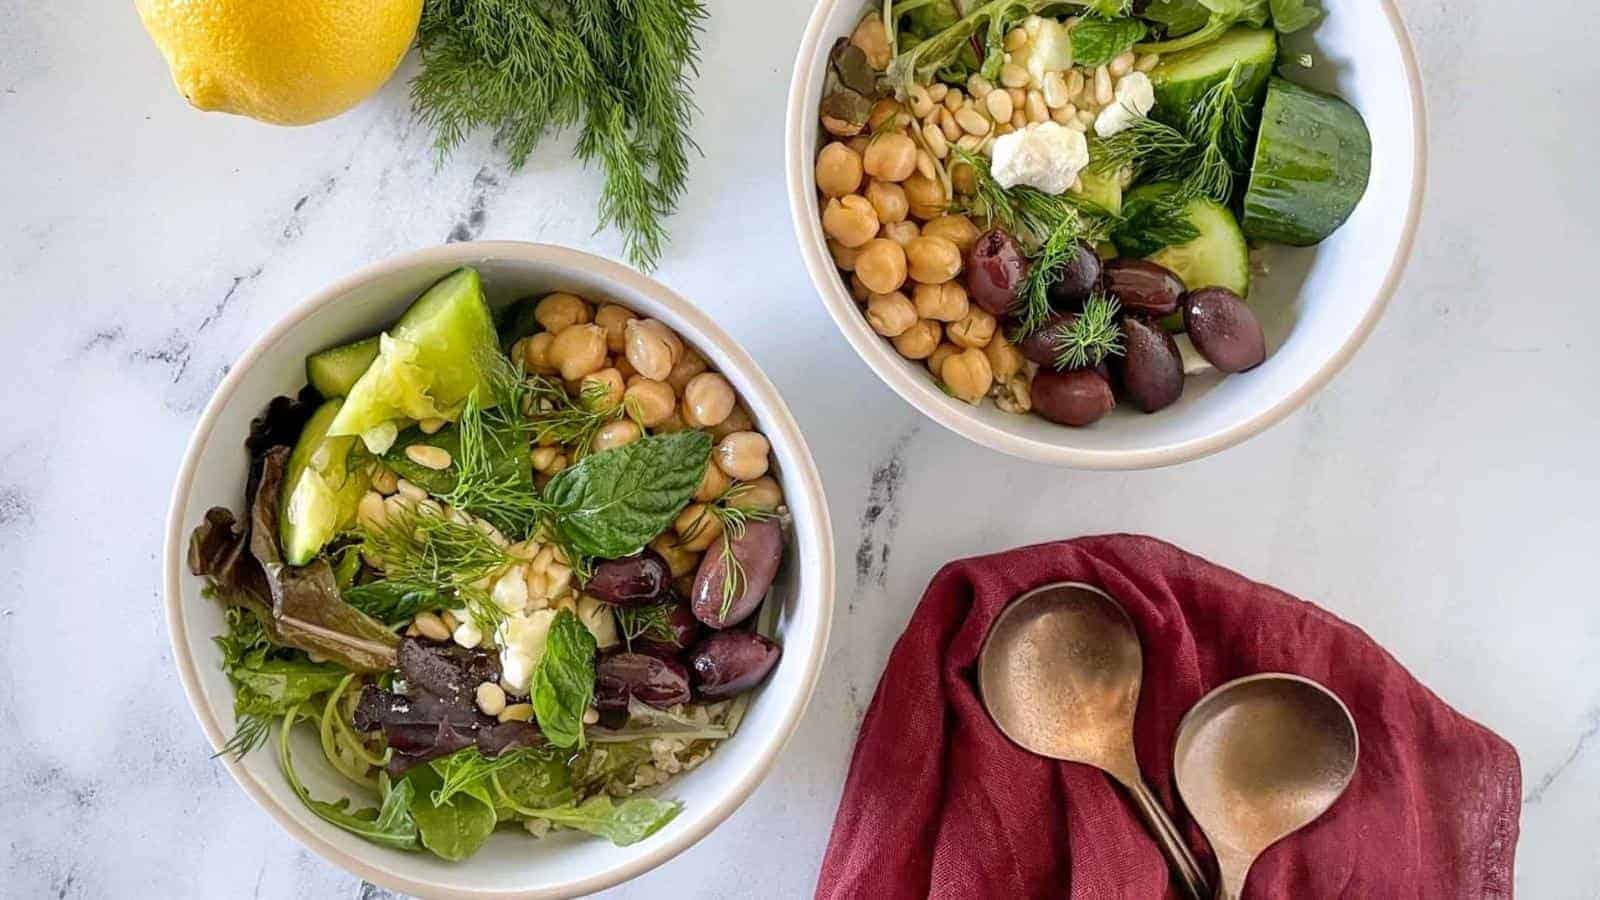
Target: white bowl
<point>1316,308</point>
<point>511,864</point>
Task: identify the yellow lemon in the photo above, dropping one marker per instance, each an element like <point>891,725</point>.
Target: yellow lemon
<point>289,62</point>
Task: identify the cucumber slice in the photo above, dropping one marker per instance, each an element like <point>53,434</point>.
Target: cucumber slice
<point>334,371</point>
<point>1219,257</point>
<point>426,366</point>
<point>321,488</point>
<point>1104,191</point>
<point>1182,78</point>
<point>1312,162</point>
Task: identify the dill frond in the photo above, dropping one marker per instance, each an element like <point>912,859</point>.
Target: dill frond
<point>734,521</point>
<point>1219,136</point>
<point>556,417</point>
<point>1089,337</point>
<point>645,622</point>
<point>1146,144</point>
<point>421,544</point>
<point>1045,271</point>
<point>250,732</point>
<point>1028,214</point>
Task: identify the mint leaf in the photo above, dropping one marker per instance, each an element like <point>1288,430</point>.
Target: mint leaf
<point>1289,16</point>
<point>612,503</point>
<point>1096,42</point>
<point>564,681</point>
<point>633,821</point>
<point>394,601</point>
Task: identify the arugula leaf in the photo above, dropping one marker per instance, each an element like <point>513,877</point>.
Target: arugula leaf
<point>391,825</point>
<point>633,821</point>
<point>267,681</point>
<point>612,503</point>
<point>394,601</point>
<point>1289,16</point>
<point>1096,42</point>
<point>453,830</point>
<point>1150,224</point>
<point>564,682</point>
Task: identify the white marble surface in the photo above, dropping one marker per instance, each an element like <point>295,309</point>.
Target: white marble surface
<point>1442,493</point>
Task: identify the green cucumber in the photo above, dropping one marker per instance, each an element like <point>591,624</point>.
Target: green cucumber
<point>1219,257</point>
<point>1182,78</point>
<point>334,371</point>
<point>1312,162</point>
<point>321,488</point>
<point>1104,191</point>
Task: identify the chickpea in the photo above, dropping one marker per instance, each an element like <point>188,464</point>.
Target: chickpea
<point>707,400</point>
<point>967,375</point>
<point>578,351</point>
<point>625,368</point>
<point>975,331</point>
<point>684,369</point>
<point>536,354</point>
<point>873,40</point>
<point>901,233</point>
<point>920,340</point>
<point>891,157</point>
<point>888,200</point>
<point>618,433</point>
<point>838,170</point>
<point>697,528</point>
<point>843,257</point>
<point>672,425</point>
<point>880,113</point>
<point>858,289</point>
<point>556,311</point>
<point>681,560</point>
<point>742,455</point>
<point>712,484</point>
<point>881,266</point>
<point>648,349</point>
<point>851,220</point>
<point>651,402</point>
<point>607,380</point>
<point>956,228</point>
<point>941,353</point>
<point>614,320</point>
<point>933,260</point>
<point>859,145</point>
<point>1004,358</point>
<point>945,302</point>
<point>925,198</point>
<point>763,493</point>
<point>890,314</point>
<point>738,420</point>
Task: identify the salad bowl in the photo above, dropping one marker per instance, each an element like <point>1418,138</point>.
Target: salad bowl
<point>1315,305</point>
<point>563,863</point>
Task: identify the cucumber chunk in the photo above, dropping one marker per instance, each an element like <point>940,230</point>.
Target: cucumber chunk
<point>334,371</point>
<point>1182,78</point>
<point>1219,257</point>
<point>1104,191</point>
<point>1312,162</point>
<point>321,487</point>
<point>427,365</point>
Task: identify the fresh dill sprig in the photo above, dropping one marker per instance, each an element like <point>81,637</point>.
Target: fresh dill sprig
<point>1144,145</point>
<point>420,544</point>
<point>249,732</point>
<point>492,477</point>
<point>734,521</point>
<point>1218,133</point>
<point>556,417</point>
<point>649,623</point>
<point>1047,269</point>
<point>1031,215</point>
<point>1086,339</point>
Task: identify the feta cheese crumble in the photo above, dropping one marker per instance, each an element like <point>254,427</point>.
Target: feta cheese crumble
<point>1135,97</point>
<point>1043,155</point>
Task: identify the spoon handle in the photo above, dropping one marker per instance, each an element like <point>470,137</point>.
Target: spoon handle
<point>1184,867</point>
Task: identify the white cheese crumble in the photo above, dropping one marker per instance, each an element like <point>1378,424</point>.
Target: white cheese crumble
<point>1043,155</point>
<point>1135,97</point>
<point>522,639</point>
<point>1048,49</point>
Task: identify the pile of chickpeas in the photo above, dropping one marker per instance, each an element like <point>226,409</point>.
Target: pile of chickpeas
<point>646,370</point>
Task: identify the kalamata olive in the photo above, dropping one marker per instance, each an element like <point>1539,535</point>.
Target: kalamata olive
<point>1078,278</point>
<point>685,628</point>
<point>1224,329</point>
<point>758,553</point>
<point>1080,397</point>
<point>1152,370</point>
<point>630,581</point>
<point>996,269</point>
<point>653,680</point>
<point>1038,346</point>
<point>1141,286</point>
<point>732,662</point>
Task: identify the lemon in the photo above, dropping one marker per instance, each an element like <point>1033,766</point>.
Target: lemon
<point>289,62</point>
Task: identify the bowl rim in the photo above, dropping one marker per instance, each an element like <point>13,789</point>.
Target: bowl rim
<point>463,253</point>
<point>922,395</point>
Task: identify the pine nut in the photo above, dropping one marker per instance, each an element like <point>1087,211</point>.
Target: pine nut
<point>410,491</point>
<point>934,138</point>
<point>448,618</point>
<point>921,103</point>
<point>937,91</point>
<point>1055,90</point>
<point>972,121</point>
<point>1064,115</point>
<point>432,425</point>
<point>947,123</point>
<point>926,166</point>
<point>999,103</point>
<point>1074,83</point>
<point>1103,91</point>
<point>435,458</point>
<point>1147,62</point>
<point>1016,39</point>
<point>1018,121</point>
<point>429,626</point>
<point>1077,124</point>
<point>1013,75</point>
<point>1004,128</point>
<point>978,86</point>
<point>543,457</point>
<point>1035,108</point>
<point>954,99</point>
<point>370,511</point>
<point>517,712</point>
<point>1122,65</point>
<point>969,142</point>
<point>491,698</point>
<point>1086,116</point>
<point>591,716</point>
<point>1018,96</point>
<point>384,481</point>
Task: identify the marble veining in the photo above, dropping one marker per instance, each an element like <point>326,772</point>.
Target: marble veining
<point>1441,493</point>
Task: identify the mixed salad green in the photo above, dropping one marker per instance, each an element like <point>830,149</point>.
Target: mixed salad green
<point>508,574</point>
<point>1054,204</point>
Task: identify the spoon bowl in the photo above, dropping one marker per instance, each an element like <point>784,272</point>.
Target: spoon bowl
<point>1258,759</point>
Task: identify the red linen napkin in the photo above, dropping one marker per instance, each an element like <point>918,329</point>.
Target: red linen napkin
<point>939,803</point>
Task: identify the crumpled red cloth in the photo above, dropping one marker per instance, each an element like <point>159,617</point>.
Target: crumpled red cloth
<point>939,803</point>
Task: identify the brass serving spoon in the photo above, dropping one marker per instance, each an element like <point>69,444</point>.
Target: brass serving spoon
<point>1258,759</point>
<point>1060,674</point>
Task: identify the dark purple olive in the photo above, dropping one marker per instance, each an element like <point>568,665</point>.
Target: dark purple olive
<point>1078,278</point>
<point>1077,398</point>
<point>1038,346</point>
<point>653,680</point>
<point>1141,286</point>
<point>1224,329</point>
<point>630,581</point>
<point>996,269</point>
<point>685,628</point>
<point>758,553</point>
<point>1152,370</point>
<point>732,662</point>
